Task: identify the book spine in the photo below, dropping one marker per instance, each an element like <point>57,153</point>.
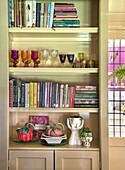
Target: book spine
<point>33,13</point>
<point>9,13</point>
<point>31,94</point>
<point>12,13</point>
<point>38,94</point>
<point>48,94</point>
<point>71,105</point>
<point>17,14</point>
<point>51,14</point>
<point>45,15</point>
<point>45,94</point>
<point>22,103</point>
<point>50,104</point>
<point>20,13</point>
<point>38,12</point>
<point>11,93</point>
<point>29,13</point>
<point>26,95</point>
<point>54,95</point>
<point>42,15</point>
<point>66,95</point>
<point>24,13</point>
<point>48,15</point>
<point>34,94</point>
<point>15,93</point>
<point>41,94</point>
<point>61,95</point>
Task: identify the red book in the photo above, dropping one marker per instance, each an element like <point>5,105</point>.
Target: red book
<point>72,93</point>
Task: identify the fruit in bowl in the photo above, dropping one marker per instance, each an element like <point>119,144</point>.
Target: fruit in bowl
<point>25,134</point>
<point>56,130</point>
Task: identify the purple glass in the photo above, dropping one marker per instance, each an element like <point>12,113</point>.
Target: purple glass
<point>14,56</point>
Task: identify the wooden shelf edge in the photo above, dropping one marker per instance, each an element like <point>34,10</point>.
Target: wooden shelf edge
<point>54,30</point>
<point>53,110</point>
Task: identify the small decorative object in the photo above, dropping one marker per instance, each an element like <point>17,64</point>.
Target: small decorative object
<point>62,58</point>
<point>56,130</point>
<point>25,134</point>
<point>26,58</point>
<point>14,57</point>
<point>53,55</point>
<point>70,58</point>
<point>86,136</point>
<point>35,58</point>
<point>75,123</point>
<point>45,55</point>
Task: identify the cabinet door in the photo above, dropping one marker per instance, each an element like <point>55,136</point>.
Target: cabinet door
<point>80,160</point>
<point>31,160</point>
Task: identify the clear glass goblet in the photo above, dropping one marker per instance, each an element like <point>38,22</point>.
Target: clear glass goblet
<point>45,55</point>
<point>53,55</point>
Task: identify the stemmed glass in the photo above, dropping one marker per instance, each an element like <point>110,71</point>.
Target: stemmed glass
<point>62,58</point>
<point>53,54</point>
<point>35,58</point>
<point>14,57</point>
<point>70,58</point>
<point>45,55</point>
<point>26,58</point>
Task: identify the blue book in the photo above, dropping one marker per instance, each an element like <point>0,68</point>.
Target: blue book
<point>48,94</point>
<point>22,97</point>
<point>41,94</point>
<point>9,13</point>
<point>15,93</point>
<point>48,15</point>
<point>38,13</point>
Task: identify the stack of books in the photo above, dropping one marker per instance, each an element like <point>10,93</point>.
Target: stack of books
<point>65,15</point>
<point>86,97</point>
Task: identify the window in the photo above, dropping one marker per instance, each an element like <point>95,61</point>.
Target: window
<point>116,89</point>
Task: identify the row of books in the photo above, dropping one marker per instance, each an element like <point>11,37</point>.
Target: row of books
<point>30,13</point>
<point>48,95</point>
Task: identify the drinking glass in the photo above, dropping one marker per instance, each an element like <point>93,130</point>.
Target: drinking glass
<point>45,55</point>
<point>14,57</point>
<point>62,58</point>
<point>26,59</point>
<point>70,59</point>
<point>35,58</point>
<point>53,55</point>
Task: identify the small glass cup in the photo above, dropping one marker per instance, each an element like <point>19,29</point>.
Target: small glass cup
<point>35,57</point>
<point>14,57</point>
<point>26,59</point>
<point>53,54</point>
<point>62,58</point>
<point>70,59</point>
<point>45,55</point>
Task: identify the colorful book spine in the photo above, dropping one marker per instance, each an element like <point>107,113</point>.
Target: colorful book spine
<point>12,14</point>
<point>38,13</point>
<point>26,95</point>
<point>9,13</point>
<point>61,95</point>
<point>41,95</point>
<point>17,14</point>
<point>66,95</point>
<point>31,95</point>
<point>71,104</point>
<point>48,15</point>
<point>24,13</point>
<point>15,93</point>
<point>20,13</point>
<point>34,94</point>
<point>11,93</point>
<point>45,94</point>
<point>33,13</point>
<point>38,94</point>
<point>48,94</point>
<point>51,85</point>
<point>42,15</point>
<point>54,95</point>
<point>22,102</point>
<point>51,14</point>
<point>45,14</point>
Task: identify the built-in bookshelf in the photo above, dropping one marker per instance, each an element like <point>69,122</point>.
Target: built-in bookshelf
<point>89,39</point>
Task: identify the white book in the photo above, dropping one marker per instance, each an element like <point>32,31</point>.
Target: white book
<point>66,95</point>
<point>33,13</point>
<point>29,13</point>
<point>61,95</point>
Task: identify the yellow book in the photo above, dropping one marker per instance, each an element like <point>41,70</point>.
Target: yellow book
<point>35,94</point>
<point>31,95</point>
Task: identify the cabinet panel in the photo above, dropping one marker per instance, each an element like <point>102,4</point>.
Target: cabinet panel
<point>80,160</point>
<point>33,160</point>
